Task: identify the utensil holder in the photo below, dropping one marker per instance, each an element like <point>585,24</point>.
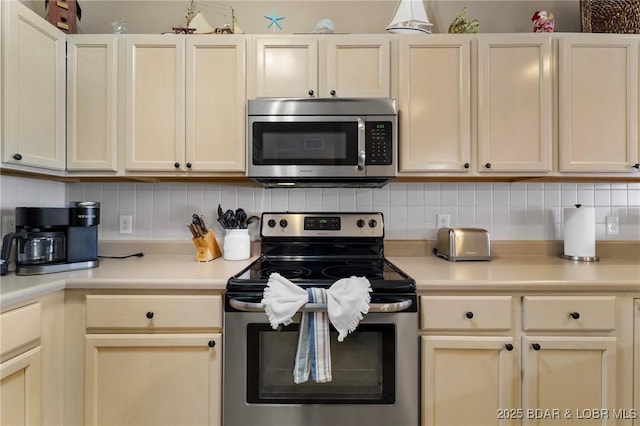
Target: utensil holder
<point>237,244</point>
<point>206,247</point>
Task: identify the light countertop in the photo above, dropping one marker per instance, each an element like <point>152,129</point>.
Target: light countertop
<point>182,272</point>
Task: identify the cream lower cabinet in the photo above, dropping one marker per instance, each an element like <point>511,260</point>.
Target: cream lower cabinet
<point>33,91</point>
<point>598,103</point>
<point>21,366</point>
<point>153,360</point>
<point>526,360</point>
<point>322,66</point>
<point>470,361</point>
<point>185,103</point>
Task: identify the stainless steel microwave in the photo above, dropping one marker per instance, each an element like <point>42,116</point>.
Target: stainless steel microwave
<point>322,142</point>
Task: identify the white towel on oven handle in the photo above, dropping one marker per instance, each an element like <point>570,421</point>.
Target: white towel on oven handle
<point>347,301</point>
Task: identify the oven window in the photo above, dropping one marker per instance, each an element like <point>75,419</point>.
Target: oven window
<point>305,143</point>
<point>362,367</point>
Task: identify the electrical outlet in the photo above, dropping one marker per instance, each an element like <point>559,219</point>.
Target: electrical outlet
<point>126,224</point>
<point>613,225</point>
<point>8,224</point>
<point>443,221</point>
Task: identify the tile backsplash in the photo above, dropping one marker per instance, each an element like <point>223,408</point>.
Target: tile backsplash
<point>509,211</point>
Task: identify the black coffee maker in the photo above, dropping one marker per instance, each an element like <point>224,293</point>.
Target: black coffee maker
<point>54,239</point>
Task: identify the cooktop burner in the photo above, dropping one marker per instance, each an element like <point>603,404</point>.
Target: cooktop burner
<point>317,249</point>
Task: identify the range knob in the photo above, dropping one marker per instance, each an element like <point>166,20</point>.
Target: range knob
<point>360,223</point>
<point>373,223</point>
<point>283,223</point>
<point>271,223</point>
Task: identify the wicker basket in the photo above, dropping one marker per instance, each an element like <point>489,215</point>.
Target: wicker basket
<point>610,16</point>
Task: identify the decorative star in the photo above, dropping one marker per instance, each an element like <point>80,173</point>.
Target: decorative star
<point>273,19</point>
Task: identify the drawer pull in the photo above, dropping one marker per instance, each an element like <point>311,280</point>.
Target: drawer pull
<point>469,315</point>
<point>574,315</point>
<point>149,314</point>
<point>536,346</point>
<point>212,343</point>
<point>508,347</point>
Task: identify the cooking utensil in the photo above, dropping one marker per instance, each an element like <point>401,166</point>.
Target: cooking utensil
<point>241,217</point>
<point>250,220</point>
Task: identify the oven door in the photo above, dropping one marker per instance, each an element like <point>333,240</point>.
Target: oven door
<point>374,374</point>
<point>306,146</point>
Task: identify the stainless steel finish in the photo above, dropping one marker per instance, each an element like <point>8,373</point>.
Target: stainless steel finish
<point>362,156</point>
<point>50,268</point>
<point>457,244</point>
<point>348,221</point>
<point>278,110</point>
<point>581,258</point>
<point>317,307</point>
<point>405,411</point>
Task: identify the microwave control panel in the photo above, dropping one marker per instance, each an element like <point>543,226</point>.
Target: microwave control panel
<point>379,137</point>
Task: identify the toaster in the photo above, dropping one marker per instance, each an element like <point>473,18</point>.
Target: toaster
<point>455,244</point>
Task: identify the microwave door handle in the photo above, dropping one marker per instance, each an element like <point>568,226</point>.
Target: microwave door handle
<point>362,156</point>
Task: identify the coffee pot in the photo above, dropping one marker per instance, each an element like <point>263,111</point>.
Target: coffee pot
<point>53,239</point>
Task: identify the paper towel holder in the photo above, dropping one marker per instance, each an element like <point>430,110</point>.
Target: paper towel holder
<point>580,258</point>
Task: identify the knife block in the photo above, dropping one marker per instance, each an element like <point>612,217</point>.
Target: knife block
<point>206,247</point>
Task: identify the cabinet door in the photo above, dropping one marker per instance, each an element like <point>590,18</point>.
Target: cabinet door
<point>357,66</point>
<point>598,95</point>
<point>514,103</point>
<point>33,89</point>
<point>92,102</point>
<point>161,379</point>
<point>155,103</point>
<point>20,389</point>
<point>636,360</point>
<point>286,67</point>
<point>435,104</point>
<point>469,380</point>
<point>215,103</point>
<point>569,374</point>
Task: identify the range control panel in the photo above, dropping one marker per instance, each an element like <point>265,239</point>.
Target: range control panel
<point>337,225</point>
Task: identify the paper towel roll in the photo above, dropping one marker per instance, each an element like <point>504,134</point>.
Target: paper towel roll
<point>580,232</point>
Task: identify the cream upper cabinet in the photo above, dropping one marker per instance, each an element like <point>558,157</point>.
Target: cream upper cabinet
<point>215,103</point>
<point>92,103</point>
<point>598,103</point>
<point>155,103</point>
<point>33,92</point>
<point>434,104</point>
<point>185,103</point>
<point>332,66</point>
<point>514,103</point>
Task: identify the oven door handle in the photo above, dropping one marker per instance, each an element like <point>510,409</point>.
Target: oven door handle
<point>315,307</point>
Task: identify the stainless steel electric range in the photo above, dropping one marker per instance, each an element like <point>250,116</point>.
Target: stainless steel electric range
<point>375,369</point>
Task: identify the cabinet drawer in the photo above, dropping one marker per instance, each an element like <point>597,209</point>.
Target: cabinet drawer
<point>154,311</point>
<point>466,313</point>
<point>568,313</point>
<point>19,327</point>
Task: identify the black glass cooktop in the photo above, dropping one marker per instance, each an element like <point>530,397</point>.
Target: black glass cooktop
<point>382,274</point>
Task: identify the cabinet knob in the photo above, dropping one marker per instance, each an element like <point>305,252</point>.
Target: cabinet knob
<point>176,165</point>
<point>636,166</point>
<point>575,315</point>
<point>487,166</point>
<point>466,165</point>
<point>212,343</point>
<point>469,315</point>
<point>332,92</point>
<point>508,347</point>
<point>311,92</point>
<point>536,346</point>
<point>149,315</point>
<point>17,157</point>
<point>188,165</point>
